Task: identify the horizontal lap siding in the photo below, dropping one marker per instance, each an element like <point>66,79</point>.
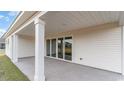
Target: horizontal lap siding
<point>100,48</point>
<point>26,47</point>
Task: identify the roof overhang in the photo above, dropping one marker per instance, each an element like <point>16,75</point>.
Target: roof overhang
<point>20,20</point>
<point>57,21</point>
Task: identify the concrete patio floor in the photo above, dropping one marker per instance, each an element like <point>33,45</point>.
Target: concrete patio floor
<point>56,70</point>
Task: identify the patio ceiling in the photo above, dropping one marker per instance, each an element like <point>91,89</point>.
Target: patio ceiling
<point>57,21</point>
<point>28,30</point>
<point>67,21</point>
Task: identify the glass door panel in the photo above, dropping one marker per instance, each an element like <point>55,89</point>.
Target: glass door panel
<point>53,47</point>
<point>60,47</point>
<point>48,47</point>
<point>68,48</point>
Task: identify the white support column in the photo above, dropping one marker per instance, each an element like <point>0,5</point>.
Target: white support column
<point>11,47</point>
<point>122,57</point>
<point>39,50</point>
<point>15,48</point>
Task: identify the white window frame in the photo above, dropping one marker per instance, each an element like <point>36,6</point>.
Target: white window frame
<point>63,59</point>
<point>50,48</point>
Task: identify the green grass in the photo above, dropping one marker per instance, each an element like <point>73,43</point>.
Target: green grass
<point>8,71</point>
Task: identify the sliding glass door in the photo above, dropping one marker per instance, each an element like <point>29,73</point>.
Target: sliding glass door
<point>60,48</point>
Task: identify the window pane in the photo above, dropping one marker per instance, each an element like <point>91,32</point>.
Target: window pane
<point>48,47</point>
<point>3,46</point>
<point>68,48</point>
<point>53,47</point>
<point>60,47</point>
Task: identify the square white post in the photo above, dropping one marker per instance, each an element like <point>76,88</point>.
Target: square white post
<point>11,47</point>
<point>39,50</point>
<point>122,57</point>
<point>15,48</point>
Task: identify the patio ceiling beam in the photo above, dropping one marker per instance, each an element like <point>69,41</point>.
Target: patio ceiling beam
<point>40,14</point>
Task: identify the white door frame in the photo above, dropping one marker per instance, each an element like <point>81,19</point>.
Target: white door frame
<point>63,59</point>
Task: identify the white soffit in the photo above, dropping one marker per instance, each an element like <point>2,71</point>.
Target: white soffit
<point>26,15</point>
<point>58,21</point>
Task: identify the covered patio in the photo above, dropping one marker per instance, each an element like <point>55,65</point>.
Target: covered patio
<point>82,32</point>
<point>56,70</point>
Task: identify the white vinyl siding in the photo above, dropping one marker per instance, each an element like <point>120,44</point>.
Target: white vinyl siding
<point>26,46</point>
<point>100,49</point>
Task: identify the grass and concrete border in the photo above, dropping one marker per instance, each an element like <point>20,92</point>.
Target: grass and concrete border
<point>8,71</point>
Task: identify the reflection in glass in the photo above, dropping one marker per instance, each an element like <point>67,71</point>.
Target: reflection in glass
<point>68,48</point>
<point>60,47</point>
<point>48,47</point>
<point>53,47</point>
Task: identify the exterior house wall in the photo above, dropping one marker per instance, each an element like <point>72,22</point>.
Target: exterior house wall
<point>26,46</point>
<point>98,47</point>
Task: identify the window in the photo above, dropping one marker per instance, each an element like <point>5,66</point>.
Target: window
<point>48,48</point>
<point>53,50</point>
<point>2,46</point>
<point>68,48</point>
<point>60,47</point>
